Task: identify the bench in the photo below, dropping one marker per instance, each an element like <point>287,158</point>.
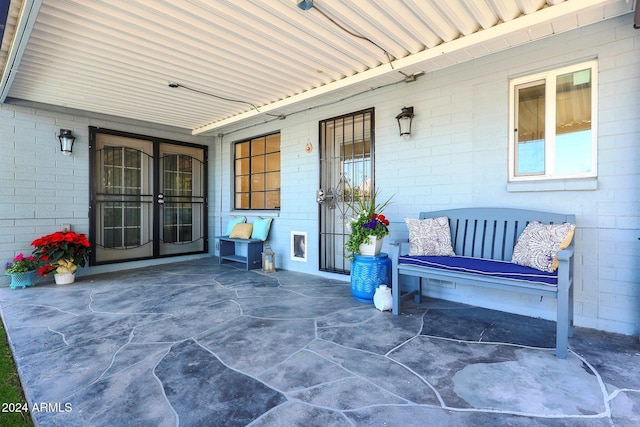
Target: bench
<point>486,237</point>
<point>228,252</point>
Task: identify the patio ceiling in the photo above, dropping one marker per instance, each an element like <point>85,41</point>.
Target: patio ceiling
<point>250,61</point>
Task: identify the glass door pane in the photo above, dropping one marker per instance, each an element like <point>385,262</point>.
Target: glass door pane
<point>124,198</point>
<point>181,199</point>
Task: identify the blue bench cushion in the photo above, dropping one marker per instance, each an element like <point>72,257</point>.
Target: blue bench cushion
<point>483,267</point>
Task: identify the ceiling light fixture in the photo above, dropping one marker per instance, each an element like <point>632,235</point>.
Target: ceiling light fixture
<point>305,4</point>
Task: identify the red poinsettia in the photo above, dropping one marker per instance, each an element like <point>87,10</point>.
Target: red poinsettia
<point>67,246</point>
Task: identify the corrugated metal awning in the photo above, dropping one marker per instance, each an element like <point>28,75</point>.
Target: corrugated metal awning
<point>259,59</point>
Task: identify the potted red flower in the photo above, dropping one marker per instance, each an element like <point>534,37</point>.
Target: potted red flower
<point>61,253</point>
<point>368,227</point>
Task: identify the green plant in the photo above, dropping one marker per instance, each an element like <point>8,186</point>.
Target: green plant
<point>21,264</point>
<point>10,388</point>
<point>368,221</point>
<point>61,252</point>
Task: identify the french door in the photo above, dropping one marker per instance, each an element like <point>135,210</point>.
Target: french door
<point>346,170</point>
<point>148,197</point>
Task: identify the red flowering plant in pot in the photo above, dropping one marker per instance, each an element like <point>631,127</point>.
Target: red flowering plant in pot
<point>368,223</point>
<point>61,252</point>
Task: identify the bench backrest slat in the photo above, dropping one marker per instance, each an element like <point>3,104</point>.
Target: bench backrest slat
<point>491,233</point>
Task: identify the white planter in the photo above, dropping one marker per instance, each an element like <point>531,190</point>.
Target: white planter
<point>372,248</point>
<point>64,278</point>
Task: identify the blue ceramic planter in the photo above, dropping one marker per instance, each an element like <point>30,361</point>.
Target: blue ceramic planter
<point>367,273</point>
<point>22,280</point>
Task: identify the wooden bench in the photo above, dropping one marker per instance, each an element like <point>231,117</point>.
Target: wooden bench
<point>491,234</point>
<point>228,252</point>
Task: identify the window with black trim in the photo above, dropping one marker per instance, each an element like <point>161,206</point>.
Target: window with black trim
<point>257,173</point>
<point>553,123</point>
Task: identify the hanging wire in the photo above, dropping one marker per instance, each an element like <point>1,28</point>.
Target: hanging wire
<point>390,57</point>
<point>172,84</point>
<point>328,103</point>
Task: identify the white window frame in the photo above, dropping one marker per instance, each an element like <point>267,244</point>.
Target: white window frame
<point>549,78</point>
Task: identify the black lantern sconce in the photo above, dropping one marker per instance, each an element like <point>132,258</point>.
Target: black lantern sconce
<point>404,121</point>
<point>66,141</point>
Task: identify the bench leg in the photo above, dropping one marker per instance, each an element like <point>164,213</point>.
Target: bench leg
<point>563,328</point>
<point>254,255</point>
<point>417,297</point>
<point>395,291</point>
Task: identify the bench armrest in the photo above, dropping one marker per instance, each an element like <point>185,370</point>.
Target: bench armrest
<point>565,254</point>
<point>397,242</point>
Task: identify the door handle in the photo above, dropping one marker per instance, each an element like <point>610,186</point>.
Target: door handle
<point>325,197</point>
<point>160,199</point>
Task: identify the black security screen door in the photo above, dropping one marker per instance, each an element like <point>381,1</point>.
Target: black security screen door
<point>148,197</point>
<point>346,168</point>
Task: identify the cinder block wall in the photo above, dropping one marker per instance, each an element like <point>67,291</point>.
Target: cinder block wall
<point>457,157</point>
<point>41,188</point>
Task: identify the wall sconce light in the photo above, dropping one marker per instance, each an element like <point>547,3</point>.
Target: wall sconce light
<point>66,141</point>
<point>404,121</point>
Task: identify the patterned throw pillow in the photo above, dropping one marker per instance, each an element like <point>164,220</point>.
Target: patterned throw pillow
<point>429,237</point>
<point>539,244</point>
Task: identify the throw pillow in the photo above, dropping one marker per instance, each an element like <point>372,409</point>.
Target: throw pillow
<point>241,231</point>
<point>539,244</point>
<point>261,228</point>
<point>233,220</point>
<point>429,237</point>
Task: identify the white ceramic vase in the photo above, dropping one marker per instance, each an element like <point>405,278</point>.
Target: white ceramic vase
<point>373,247</point>
<point>64,278</point>
<point>382,299</point>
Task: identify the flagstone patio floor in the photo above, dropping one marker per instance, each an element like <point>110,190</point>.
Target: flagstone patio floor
<point>199,344</point>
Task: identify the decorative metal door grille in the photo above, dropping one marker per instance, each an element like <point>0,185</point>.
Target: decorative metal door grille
<point>147,198</point>
<point>346,169</point>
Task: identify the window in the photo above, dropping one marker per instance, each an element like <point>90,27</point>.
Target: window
<point>553,118</point>
<point>177,170</point>
<point>257,173</point>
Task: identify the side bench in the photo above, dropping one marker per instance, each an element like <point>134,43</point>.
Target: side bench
<point>228,252</point>
<point>486,238</point>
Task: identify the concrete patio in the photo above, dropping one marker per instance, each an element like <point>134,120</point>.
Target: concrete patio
<point>198,344</point>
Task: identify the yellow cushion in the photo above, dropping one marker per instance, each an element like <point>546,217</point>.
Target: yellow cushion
<point>241,231</point>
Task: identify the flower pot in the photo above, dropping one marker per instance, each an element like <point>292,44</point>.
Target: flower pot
<point>21,280</point>
<point>64,278</point>
<point>373,247</point>
<point>367,273</point>
<point>382,299</point>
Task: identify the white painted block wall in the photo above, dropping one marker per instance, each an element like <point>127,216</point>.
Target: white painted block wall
<point>456,157</point>
<point>40,188</point>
